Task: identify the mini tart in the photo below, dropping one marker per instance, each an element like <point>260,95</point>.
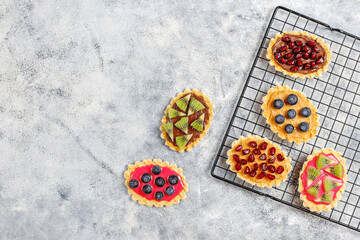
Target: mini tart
<point>304,127</point>
<point>143,174</point>
<point>299,54</point>
<point>258,161</point>
<point>184,126</point>
<point>324,184</point>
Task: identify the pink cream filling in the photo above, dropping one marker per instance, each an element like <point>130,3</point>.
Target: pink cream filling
<point>320,179</point>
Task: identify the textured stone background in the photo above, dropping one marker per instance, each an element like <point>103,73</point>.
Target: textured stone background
<point>83,86</point>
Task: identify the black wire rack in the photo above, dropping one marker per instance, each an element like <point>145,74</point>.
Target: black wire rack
<point>336,94</point>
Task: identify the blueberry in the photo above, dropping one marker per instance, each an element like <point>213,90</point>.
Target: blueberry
<point>159,195</point>
<point>305,112</point>
<point>170,190</point>
<point>146,177</point>
<point>133,183</point>
<point>291,114</point>
<point>156,170</point>
<point>304,126</point>
<point>160,182</point>
<point>173,179</point>
<point>278,103</point>
<point>289,128</point>
<point>292,99</point>
<point>147,189</point>
<point>279,119</point>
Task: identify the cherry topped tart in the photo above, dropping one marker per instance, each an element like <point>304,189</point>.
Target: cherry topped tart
<point>258,161</point>
<point>322,180</point>
<point>299,54</point>
<point>187,120</point>
<point>156,183</point>
<point>290,114</point>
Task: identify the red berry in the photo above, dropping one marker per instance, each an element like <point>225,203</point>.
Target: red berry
<point>320,60</point>
<point>245,151</point>
<point>263,156</point>
<point>297,56</point>
<point>261,175</point>
<point>290,62</point>
<point>311,44</point>
<point>272,151</point>
<point>299,63</point>
<point>253,173</point>
<point>271,177</point>
<point>282,49</point>
<point>307,66</point>
<point>246,170</point>
<point>256,166</point>
<point>251,158</point>
<point>280,157</point>
<point>298,43</point>
<point>316,49</point>
<point>313,55</point>
<point>294,68</point>
<point>282,60</point>
<point>272,168</point>
<point>256,151</point>
<point>312,64</point>
<point>243,162</point>
<point>306,55</point>
<point>277,55</point>
<point>236,158</point>
<point>280,169</point>
<point>297,50</point>
<point>286,39</point>
<point>263,145</point>
<point>271,160</point>
<point>288,55</point>
<point>264,166</point>
<point>291,45</point>
<point>238,166</point>
<point>304,48</point>
<point>238,148</point>
<point>253,144</point>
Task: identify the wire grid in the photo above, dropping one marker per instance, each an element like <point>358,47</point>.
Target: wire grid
<point>336,94</point>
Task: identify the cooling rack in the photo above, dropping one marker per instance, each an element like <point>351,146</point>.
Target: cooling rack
<point>336,94</point>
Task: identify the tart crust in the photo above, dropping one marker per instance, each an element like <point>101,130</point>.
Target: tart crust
<point>206,127</point>
<point>144,201</point>
<point>322,207</point>
<point>264,182</point>
<point>276,128</point>
<point>315,38</point>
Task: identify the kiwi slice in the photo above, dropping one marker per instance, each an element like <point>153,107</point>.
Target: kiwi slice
<point>183,102</point>
<point>173,113</point>
<point>323,161</point>
<point>312,174</point>
<point>329,184</point>
<point>195,106</point>
<point>169,129</point>
<point>198,124</point>
<point>326,198</point>
<point>314,190</point>
<point>181,141</point>
<point>182,124</point>
<point>336,170</point>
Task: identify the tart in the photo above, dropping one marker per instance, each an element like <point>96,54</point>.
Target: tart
<point>299,54</point>
<point>155,183</point>
<point>187,120</point>
<point>290,114</point>
<point>322,180</point>
<point>258,161</point>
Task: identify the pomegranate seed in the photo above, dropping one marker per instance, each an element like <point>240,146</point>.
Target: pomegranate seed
<point>243,162</point>
<point>251,158</point>
<point>306,55</point>
<point>253,173</point>
<point>238,166</point>
<point>307,66</point>
<point>298,43</point>
<point>256,151</point>
<point>272,151</point>
<point>320,60</point>
<point>313,55</point>
<point>253,144</point>
<point>256,166</point>
<point>297,56</point>
<point>245,151</point>
<point>312,64</point>
<point>263,166</point>
<point>294,68</point>
<point>290,62</point>
<point>236,158</point>
<point>316,49</point>
<point>277,55</point>
<point>282,60</point>
<point>246,170</point>
<point>282,49</point>
<point>271,177</point>
<point>299,63</point>
<point>262,156</point>
<point>239,148</point>
<point>280,169</point>
<point>271,160</point>
<point>291,45</point>
<point>297,50</point>
<point>286,39</point>
<point>288,55</point>
<point>261,175</point>
<point>304,48</point>
<point>311,44</point>
<point>263,145</point>
<point>272,168</point>
<point>280,157</point>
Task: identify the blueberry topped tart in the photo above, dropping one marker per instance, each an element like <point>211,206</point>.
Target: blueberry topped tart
<point>187,120</point>
<point>156,183</point>
<point>299,54</point>
<point>322,180</point>
<point>290,114</point>
<point>258,161</point>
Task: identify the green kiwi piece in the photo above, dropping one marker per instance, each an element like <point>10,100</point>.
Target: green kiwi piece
<point>181,141</point>
<point>326,198</point>
<point>323,161</point>
<point>312,174</point>
<point>198,124</point>
<point>195,106</point>
<point>183,102</point>
<point>336,170</point>
<point>329,184</point>
<point>314,190</point>
<point>173,113</point>
<point>169,129</point>
<point>182,124</point>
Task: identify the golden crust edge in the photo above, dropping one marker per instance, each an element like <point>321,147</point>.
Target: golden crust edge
<point>275,129</point>
<point>269,184</point>
<point>319,40</point>
<point>150,203</point>
<point>206,128</point>
<point>319,207</point>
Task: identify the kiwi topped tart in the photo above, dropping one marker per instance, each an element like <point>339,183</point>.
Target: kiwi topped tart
<point>187,120</point>
<point>322,180</point>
